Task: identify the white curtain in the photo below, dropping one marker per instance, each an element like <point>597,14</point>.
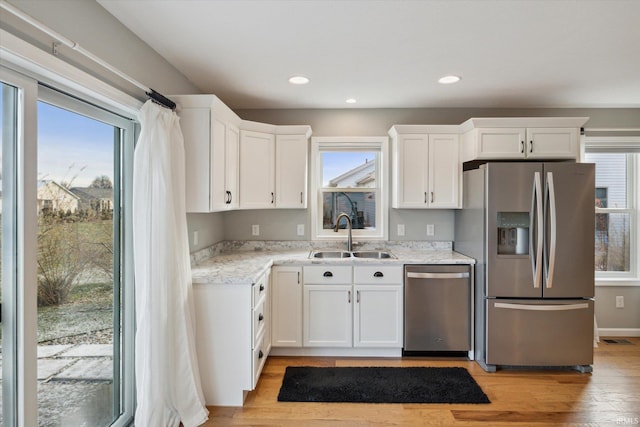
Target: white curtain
<point>167,378</point>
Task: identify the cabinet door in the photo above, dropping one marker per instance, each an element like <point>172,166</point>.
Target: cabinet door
<point>501,143</point>
<point>411,174</point>
<point>218,165</point>
<point>291,171</point>
<point>257,172</point>
<point>378,316</point>
<point>444,171</point>
<point>552,143</point>
<point>195,124</point>
<point>327,316</point>
<point>286,307</point>
<point>232,148</point>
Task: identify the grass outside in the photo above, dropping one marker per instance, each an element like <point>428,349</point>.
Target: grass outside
<point>90,309</point>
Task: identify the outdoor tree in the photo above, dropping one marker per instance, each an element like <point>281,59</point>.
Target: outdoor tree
<point>102,181</point>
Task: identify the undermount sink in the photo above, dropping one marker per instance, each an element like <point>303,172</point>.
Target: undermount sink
<point>373,254</point>
<point>357,254</point>
<point>330,254</point>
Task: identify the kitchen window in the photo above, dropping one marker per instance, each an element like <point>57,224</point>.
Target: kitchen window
<point>617,194</point>
<point>349,175</point>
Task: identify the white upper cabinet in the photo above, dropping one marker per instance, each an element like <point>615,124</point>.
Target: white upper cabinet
<point>292,152</point>
<point>257,170</point>
<point>426,169</point>
<point>273,166</point>
<point>521,138</point>
<point>211,137</point>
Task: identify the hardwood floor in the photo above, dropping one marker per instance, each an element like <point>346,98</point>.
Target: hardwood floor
<point>610,396</point>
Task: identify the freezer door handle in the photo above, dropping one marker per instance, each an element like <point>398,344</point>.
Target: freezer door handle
<point>550,262</point>
<point>536,219</point>
<point>530,307</point>
<point>413,275</point>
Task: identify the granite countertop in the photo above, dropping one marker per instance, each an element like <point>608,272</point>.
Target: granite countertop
<point>244,264</point>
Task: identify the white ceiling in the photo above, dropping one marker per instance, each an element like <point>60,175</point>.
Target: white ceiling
<point>390,53</point>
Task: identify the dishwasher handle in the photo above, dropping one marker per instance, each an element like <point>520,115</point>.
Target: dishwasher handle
<point>414,275</point>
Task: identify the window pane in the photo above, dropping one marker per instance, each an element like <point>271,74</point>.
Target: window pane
<point>611,179</point>
<point>360,206</point>
<point>349,169</point>
<point>78,372</point>
<point>613,242</point>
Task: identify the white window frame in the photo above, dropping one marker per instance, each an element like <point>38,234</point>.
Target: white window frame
<point>24,65</point>
<point>624,145</point>
<point>379,144</point>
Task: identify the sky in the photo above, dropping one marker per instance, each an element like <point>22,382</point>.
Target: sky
<point>72,148</point>
<point>335,163</point>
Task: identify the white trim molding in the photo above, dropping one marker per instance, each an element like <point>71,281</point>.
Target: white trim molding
<point>618,332</point>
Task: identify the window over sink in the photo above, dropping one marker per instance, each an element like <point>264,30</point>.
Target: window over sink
<point>349,175</point>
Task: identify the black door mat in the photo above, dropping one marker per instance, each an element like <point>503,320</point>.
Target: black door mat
<point>380,385</point>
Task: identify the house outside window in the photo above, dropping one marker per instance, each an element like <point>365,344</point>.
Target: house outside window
<point>616,203</point>
<point>348,176</point>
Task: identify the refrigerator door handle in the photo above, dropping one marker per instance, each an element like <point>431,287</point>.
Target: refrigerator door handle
<point>551,199</point>
<point>552,307</point>
<point>536,216</point>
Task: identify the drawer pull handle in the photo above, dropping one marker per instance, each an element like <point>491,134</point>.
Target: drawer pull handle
<point>260,354</point>
<point>378,274</point>
<point>328,274</point>
<point>272,198</point>
<point>260,317</point>
<point>261,288</point>
<point>522,146</point>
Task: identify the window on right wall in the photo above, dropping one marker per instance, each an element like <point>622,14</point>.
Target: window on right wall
<point>617,195</point>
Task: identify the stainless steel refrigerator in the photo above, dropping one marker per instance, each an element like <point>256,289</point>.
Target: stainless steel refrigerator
<point>530,227</point>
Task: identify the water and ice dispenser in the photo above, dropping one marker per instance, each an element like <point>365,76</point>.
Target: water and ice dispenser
<point>513,233</point>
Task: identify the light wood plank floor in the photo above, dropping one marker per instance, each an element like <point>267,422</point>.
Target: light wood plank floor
<point>610,396</point>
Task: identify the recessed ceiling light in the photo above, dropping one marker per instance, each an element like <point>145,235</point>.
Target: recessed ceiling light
<point>447,80</point>
<point>298,80</point>
<point>351,101</point>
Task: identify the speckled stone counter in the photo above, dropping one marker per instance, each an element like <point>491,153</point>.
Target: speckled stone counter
<point>245,262</point>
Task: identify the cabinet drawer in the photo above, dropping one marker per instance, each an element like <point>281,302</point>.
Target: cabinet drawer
<point>327,274</point>
<point>259,289</point>
<point>259,358</point>
<point>259,320</point>
<point>378,274</point>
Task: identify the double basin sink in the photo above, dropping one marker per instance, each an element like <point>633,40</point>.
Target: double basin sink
<point>352,254</point>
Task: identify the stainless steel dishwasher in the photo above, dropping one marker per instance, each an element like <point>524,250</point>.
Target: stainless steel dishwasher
<point>437,308</point>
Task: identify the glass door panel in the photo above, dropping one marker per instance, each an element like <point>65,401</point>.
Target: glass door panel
<point>78,269</point>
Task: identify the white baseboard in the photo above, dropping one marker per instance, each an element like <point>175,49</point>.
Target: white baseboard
<point>619,332</point>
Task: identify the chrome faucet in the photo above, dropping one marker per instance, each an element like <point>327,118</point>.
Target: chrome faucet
<point>349,239</point>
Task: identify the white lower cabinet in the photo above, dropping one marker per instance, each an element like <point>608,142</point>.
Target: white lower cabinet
<point>286,306</point>
<point>327,316</point>
<point>232,338</point>
<point>377,316</point>
<point>359,306</point>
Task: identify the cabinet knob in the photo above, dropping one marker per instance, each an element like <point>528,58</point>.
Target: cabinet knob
<point>378,274</point>
<point>328,274</point>
<point>261,288</point>
<point>260,354</point>
<point>260,317</point>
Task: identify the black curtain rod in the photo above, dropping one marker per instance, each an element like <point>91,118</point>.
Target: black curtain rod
<point>161,99</point>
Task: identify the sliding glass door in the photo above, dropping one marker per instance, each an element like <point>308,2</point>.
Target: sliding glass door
<point>67,276</point>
